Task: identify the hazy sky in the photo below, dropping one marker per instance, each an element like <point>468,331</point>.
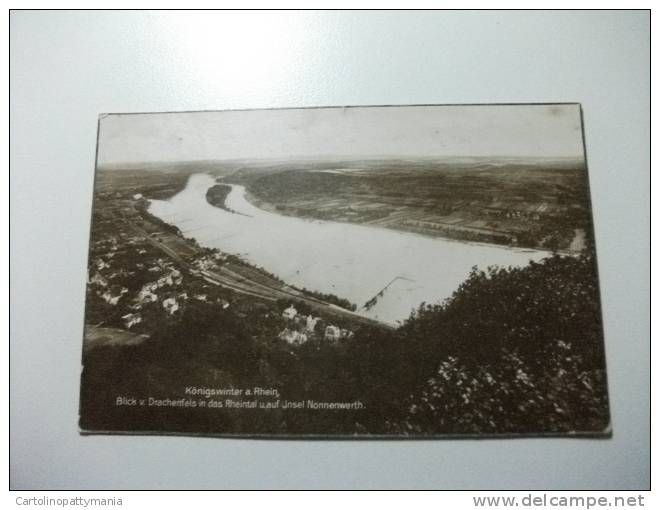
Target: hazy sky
<point>508,130</point>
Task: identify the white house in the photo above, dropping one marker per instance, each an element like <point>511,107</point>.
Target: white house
<point>170,305</point>
<point>290,313</point>
<point>332,333</point>
<point>293,337</point>
<point>131,319</point>
<point>310,326</point>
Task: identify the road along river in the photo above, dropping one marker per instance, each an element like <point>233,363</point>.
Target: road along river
<point>355,262</point>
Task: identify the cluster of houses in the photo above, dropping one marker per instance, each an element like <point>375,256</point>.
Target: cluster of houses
<point>105,280</point>
<point>168,278</point>
<point>300,328</point>
<point>164,289</point>
<point>149,292</point>
<point>207,262</point>
<point>524,211</point>
<point>110,292</point>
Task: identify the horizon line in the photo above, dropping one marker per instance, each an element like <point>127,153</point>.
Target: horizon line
<point>330,159</point>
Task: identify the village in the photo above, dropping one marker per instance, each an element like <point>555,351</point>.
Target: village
<point>142,275</point>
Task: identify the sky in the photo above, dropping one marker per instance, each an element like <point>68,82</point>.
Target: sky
<point>528,131</point>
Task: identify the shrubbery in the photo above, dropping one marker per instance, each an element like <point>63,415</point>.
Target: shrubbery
<point>513,350</point>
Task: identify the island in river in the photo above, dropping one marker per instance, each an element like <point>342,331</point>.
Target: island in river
<point>386,272</point>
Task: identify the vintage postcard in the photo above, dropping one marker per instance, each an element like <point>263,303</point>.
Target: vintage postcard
<point>398,271</point>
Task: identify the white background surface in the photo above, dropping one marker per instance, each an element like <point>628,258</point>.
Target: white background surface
<point>69,67</point>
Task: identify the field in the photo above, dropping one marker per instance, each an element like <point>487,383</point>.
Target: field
<point>534,204</point>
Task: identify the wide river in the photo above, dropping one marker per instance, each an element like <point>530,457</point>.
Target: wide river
<point>351,261</point>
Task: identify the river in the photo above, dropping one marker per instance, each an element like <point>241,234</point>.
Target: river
<point>352,261</point>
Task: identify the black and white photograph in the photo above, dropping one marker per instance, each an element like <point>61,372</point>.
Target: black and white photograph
<point>358,272</point>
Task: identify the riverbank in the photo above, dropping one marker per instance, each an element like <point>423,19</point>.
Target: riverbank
<point>534,205</point>
<point>347,260</point>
